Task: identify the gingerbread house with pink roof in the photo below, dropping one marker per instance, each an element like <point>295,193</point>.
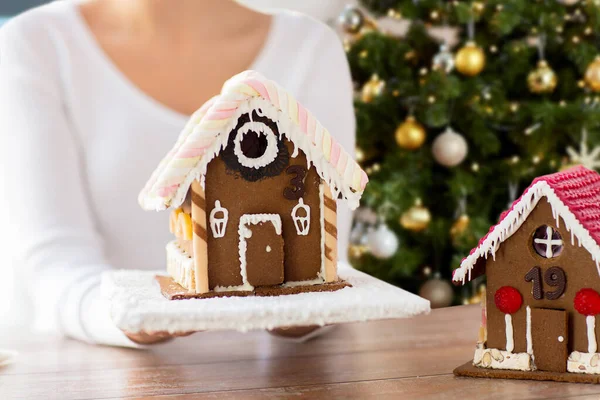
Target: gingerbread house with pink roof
<point>253,182</point>
<point>542,262</point>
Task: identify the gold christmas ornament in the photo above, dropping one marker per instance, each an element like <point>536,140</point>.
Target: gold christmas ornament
<point>460,226</point>
<point>542,79</point>
<point>410,134</point>
<point>416,218</point>
<point>470,59</point>
<point>372,88</point>
<point>592,75</point>
<point>478,297</point>
<point>359,154</point>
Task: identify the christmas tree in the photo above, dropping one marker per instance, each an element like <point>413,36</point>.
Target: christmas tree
<point>456,116</point>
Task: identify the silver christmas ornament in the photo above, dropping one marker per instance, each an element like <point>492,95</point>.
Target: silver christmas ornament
<point>450,148</point>
<point>438,291</point>
<point>351,19</point>
<point>358,235</point>
<point>443,60</point>
<point>382,242</point>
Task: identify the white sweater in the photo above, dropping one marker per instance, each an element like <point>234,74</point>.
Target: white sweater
<point>71,124</point>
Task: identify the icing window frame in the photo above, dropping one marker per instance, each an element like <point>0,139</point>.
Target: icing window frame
<point>260,129</point>
<point>547,242</point>
<point>272,162</point>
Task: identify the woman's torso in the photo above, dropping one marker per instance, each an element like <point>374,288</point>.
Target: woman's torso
<point>122,133</point>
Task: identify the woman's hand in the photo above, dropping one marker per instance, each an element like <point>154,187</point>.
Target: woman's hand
<point>300,333</point>
<point>148,338</point>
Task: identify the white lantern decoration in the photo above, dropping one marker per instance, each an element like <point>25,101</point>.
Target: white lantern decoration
<point>302,222</point>
<point>218,225</point>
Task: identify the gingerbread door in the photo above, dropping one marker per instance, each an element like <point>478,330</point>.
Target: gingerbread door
<point>549,334</point>
<point>264,249</point>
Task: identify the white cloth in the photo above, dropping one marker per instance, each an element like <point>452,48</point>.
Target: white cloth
<point>78,141</point>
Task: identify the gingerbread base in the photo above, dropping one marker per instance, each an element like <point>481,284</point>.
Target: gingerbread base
<point>174,291</point>
<point>471,371</point>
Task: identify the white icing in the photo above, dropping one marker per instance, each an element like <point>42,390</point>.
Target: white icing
<point>136,305</point>
<point>218,225</point>
<point>549,242</point>
<point>338,182</point>
<point>500,359</point>
<point>268,249</point>
<point>590,321</point>
<point>245,233</point>
<point>322,222</point>
<point>583,363</point>
<point>528,332</point>
<point>515,218</point>
<point>510,344</point>
<point>561,339</point>
<point>180,266</point>
<point>270,153</point>
<point>302,223</point>
<point>316,281</point>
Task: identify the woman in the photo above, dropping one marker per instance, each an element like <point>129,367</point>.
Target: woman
<point>92,95</point>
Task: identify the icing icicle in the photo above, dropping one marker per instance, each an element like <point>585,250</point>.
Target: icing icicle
<point>510,344</point>
<point>528,332</point>
<point>590,322</point>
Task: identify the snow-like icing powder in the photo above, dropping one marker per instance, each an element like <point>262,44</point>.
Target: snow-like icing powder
<point>136,304</point>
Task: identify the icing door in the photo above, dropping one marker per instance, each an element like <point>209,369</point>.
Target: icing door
<point>549,334</point>
<point>264,255</point>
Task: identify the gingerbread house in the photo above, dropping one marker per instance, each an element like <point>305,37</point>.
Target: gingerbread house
<point>542,262</point>
<point>252,182</point>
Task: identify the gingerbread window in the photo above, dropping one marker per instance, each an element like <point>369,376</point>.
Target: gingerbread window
<point>255,149</point>
<point>547,242</point>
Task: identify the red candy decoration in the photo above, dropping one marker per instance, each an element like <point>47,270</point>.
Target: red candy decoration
<point>587,302</point>
<point>508,299</point>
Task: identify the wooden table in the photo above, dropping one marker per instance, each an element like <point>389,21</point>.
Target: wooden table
<point>400,359</point>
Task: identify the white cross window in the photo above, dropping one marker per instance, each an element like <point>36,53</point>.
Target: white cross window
<point>547,242</point>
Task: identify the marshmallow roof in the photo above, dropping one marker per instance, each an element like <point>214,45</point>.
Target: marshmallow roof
<point>207,133</point>
<point>574,196</point>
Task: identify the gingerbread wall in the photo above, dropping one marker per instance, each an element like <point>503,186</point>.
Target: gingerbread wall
<point>302,254</point>
<point>515,258</point>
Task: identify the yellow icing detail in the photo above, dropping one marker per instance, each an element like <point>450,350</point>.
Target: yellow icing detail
<point>272,91</point>
<point>185,162</point>
<point>356,178</point>
<point>343,157</point>
<point>185,226</point>
<point>174,220</point>
<point>246,89</point>
<point>213,123</point>
<point>327,144</point>
<point>292,108</point>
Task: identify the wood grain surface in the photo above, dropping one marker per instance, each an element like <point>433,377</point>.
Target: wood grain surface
<point>397,359</point>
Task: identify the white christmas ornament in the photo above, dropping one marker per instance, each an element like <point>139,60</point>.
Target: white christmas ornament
<point>450,148</point>
<point>382,242</point>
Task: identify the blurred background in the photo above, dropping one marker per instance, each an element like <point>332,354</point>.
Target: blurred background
<point>459,105</point>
